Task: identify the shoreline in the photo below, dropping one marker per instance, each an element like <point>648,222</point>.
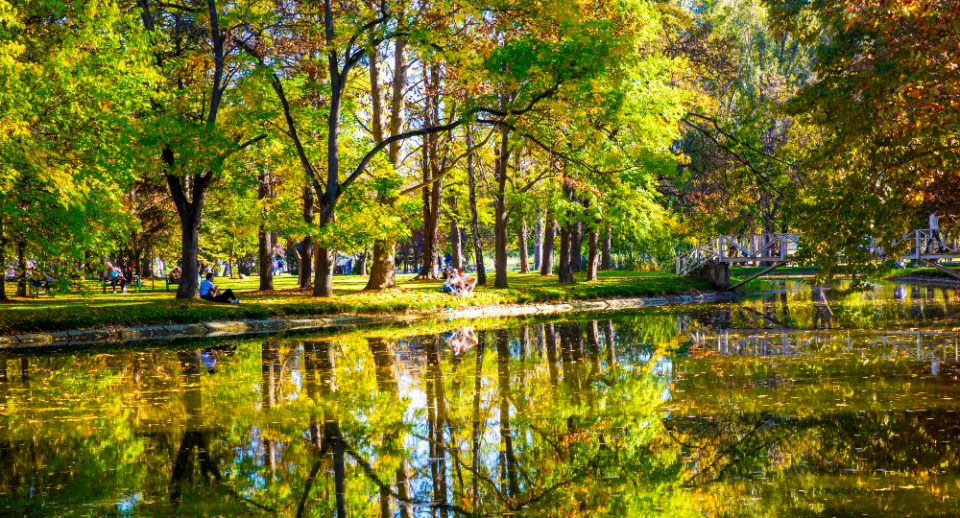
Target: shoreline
<point>235,328</point>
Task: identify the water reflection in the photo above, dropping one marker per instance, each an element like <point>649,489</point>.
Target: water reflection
<point>781,404</point>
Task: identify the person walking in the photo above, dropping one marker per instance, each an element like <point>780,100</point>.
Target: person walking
<point>934,224</point>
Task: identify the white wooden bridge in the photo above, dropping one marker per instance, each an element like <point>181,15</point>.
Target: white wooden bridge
<point>777,249</point>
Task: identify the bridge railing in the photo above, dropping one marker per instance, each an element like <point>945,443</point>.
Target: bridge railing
<point>740,248</point>
<point>924,244</point>
<point>928,243</point>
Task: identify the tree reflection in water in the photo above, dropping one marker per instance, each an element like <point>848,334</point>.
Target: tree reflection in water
<point>724,410</point>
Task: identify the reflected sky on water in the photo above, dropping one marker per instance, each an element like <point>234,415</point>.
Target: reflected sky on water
<point>798,400</point>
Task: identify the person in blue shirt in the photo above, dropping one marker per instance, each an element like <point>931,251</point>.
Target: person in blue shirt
<point>209,291</point>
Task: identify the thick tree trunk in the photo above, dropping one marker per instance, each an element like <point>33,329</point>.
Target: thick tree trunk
<point>522,242</point>
<point>21,268</point>
<point>474,214</point>
<point>568,240</point>
<point>538,243</point>
<point>566,246</point>
<point>500,211</point>
<point>576,247</point>
<point>190,245</point>
<point>3,262</point>
<point>265,239</point>
<point>265,259</point>
<point>431,219</point>
<point>606,261</point>
<point>546,256</point>
<point>323,272</point>
<point>306,246</point>
<point>382,270</point>
<point>432,178</point>
<point>456,245</point>
<point>362,261</point>
<point>593,260</point>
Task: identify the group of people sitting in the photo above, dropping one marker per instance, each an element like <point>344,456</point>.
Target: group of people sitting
<point>116,276</point>
<point>457,283</point>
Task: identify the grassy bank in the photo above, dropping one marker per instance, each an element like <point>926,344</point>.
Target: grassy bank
<point>95,309</point>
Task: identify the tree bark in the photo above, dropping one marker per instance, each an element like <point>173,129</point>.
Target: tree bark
<point>593,260</point>
<point>362,261</point>
<point>382,270</point>
<point>432,178</point>
<point>576,247</point>
<point>456,244</point>
<point>538,243</point>
<point>383,262</point>
<point>3,262</point>
<point>500,211</point>
<point>323,272</point>
<point>606,261</point>
<point>474,214</point>
<point>546,256</point>
<point>22,268</point>
<point>265,239</point>
<point>566,254</point>
<point>306,246</point>
<point>190,245</point>
<point>522,245</point>
<point>567,242</point>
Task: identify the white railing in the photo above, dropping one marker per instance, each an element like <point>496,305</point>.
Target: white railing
<point>925,244</point>
<point>744,248</point>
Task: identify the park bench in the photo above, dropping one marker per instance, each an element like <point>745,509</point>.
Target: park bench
<point>137,282</point>
<point>168,281</point>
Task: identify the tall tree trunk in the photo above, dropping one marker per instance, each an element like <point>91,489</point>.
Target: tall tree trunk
<point>593,260</point>
<point>362,261</point>
<point>384,263</point>
<point>21,268</point>
<point>190,267</point>
<point>3,262</point>
<point>323,272</point>
<point>265,259</point>
<point>538,242</point>
<point>568,241</point>
<point>522,242</point>
<point>456,244</point>
<point>566,255</point>
<point>474,214</point>
<point>306,246</point>
<point>500,211</point>
<point>606,261</point>
<point>432,178</point>
<point>265,239</point>
<point>576,247</point>
<point>546,256</point>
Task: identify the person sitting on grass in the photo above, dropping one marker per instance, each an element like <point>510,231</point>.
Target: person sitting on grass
<point>468,282</point>
<point>453,285</point>
<point>209,291</point>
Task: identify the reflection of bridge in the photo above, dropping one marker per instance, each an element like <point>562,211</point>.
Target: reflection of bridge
<point>918,345</point>
<point>776,249</point>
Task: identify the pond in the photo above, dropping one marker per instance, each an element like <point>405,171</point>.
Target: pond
<point>793,401</point>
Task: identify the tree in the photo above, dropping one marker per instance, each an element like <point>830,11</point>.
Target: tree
<point>198,121</point>
<point>884,99</point>
<point>72,75</point>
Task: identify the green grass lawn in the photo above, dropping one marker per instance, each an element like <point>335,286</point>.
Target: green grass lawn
<point>95,309</point>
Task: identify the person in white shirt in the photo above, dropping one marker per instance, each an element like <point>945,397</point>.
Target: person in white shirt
<point>935,233</point>
<point>209,291</point>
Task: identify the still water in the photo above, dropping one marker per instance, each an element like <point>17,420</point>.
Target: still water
<point>795,401</point>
